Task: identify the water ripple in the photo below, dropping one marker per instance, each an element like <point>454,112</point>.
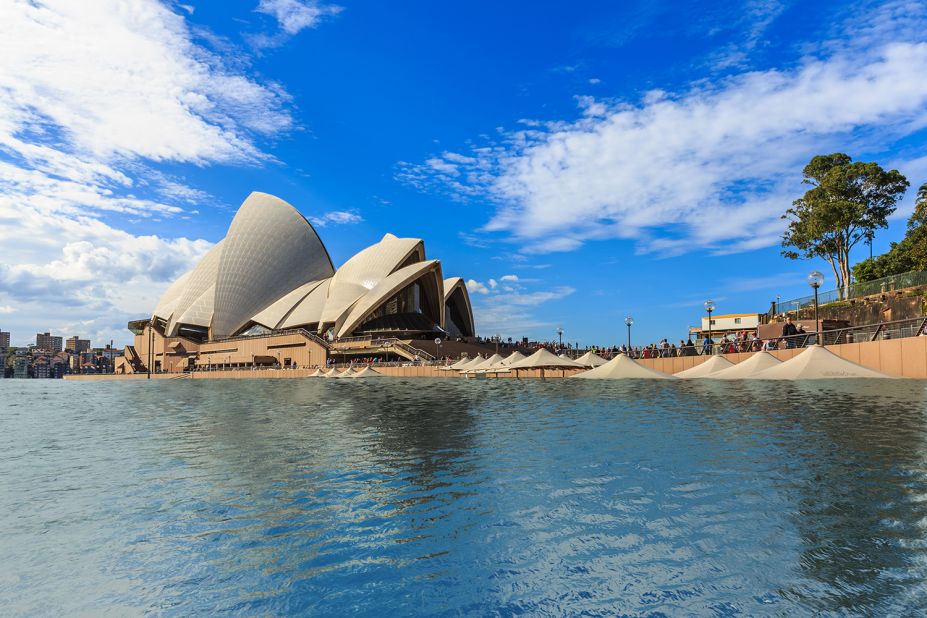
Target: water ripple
<point>447,497</point>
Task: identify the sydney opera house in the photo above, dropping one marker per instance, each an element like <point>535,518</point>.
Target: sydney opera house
<point>268,294</point>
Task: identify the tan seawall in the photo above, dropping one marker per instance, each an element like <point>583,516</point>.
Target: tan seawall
<point>898,357</point>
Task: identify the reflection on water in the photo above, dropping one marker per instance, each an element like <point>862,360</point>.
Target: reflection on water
<point>449,497</point>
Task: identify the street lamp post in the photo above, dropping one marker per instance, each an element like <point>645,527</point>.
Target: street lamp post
<point>437,348</point>
<point>629,321</point>
<point>150,344</point>
<point>560,332</point>
<point>709,307</point>
<point>815,279</point>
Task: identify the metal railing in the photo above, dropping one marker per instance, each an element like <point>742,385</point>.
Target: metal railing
<point>385,342</point>
<point>857,290</point>
<point>277,333</point>
<point>896,329</point>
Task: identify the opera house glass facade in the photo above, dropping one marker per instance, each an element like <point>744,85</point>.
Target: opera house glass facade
<point>272,274</point>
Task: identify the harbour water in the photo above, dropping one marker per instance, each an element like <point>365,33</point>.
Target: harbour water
<point>450,497</point>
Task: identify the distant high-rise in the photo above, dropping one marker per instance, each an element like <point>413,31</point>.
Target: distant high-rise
<point>76,345</point>
<point>49,342</point>
<point>4,340</point>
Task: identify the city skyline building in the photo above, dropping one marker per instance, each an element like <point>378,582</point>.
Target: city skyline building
<point>76,345</point>
<point>48,342</point>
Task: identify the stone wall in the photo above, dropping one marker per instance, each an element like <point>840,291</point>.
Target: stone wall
<point>901,305</point>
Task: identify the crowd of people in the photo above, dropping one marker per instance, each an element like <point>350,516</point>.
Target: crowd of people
<point>792,336</point>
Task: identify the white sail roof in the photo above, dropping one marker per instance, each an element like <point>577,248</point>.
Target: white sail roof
<point>365,270</point>
<point>544,359</point>
<point>273,270</point>
<point>591,359</point>
<point>269,250</point>
<point>760,361</point>
<point>165,308</point>
<point>454,288</point>
<point>199,313</point>
<point>818,363</point>
<point>273,314</point>
<point>706,368</point>
<point>382,292</point>
<point>198,281</point>
<point>309,309</point>
<point>621,367</point>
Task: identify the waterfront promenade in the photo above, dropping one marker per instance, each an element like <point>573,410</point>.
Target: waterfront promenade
<point>896,357</point>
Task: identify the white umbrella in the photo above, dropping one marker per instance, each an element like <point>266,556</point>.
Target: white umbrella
<point>591,359</point>
<point>486,364</point>
<point>705,369</point>
<point>542,359</point>
<point>620,368</point>
<point>473,362</point>
<point>760,361</point>
<point>460,364</point>
<point>818,363</point>
<point>367,372</point>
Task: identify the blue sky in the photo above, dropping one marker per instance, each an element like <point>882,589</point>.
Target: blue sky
<point>575,162</point>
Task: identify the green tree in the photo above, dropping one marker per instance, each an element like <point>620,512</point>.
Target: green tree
<point>847,202</point>
<point>917,231</point>
<point>905,256</point>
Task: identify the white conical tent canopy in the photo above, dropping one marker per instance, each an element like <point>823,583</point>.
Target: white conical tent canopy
<point>347,373</point>
<point>760,361</point>
<point>476,360</point>
<point>818,363</point>
<point>316,374</point>
<point>704,370</point>
<point>621,367</point>
<point>367,372</point>
<point>544,359</point>
<point>460,364</point>
<point>486,364</point>
<point>332,373</point>
<point>507,362</point>
<point>591,359</point>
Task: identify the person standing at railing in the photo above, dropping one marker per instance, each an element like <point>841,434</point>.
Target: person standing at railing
<point>788,333</point>
<point>707,344</point>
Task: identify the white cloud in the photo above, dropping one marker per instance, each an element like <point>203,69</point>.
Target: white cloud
<point>337,217</point>
<point>511,313</point>
<point>475,287</point>
<point>712,167</point>
<point>509,309</point>
<point>6,309</point>
<point>93,96</point>
<point>293,16</point>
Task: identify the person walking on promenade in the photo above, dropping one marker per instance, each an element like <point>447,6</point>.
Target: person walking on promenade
<point>789,331</point>
<point>706,345</point>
